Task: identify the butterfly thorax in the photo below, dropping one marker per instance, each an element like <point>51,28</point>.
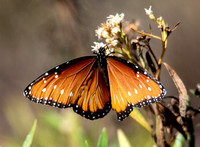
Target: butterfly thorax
<point>102,64</point>
<point>101,58</point>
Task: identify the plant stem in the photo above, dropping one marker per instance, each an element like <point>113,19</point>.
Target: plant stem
<point>164,46</point>
<point>153,54</point>
<point>160,61</point>
<point>147,34</point>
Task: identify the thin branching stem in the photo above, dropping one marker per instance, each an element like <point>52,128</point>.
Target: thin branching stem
<point>152,53</point>
<point>147,34</point>
<point>160,60</point>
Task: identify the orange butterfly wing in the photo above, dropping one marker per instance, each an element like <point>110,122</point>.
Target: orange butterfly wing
<point>78,84</point>
<point>131,86</point>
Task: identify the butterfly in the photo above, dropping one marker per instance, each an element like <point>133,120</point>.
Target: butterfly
<point>92,85</point>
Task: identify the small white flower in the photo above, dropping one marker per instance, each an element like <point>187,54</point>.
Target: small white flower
<point>115,42</point>
<point>112,41</point>
<point>97,46</point>
<point>105,34</point>
<point>102,32</point>
<point>115,20</point>
<point>148,11</point>
<point>99,32</point>
<point>109,50</point>
<point>109,40</point>
<point>115,30</point>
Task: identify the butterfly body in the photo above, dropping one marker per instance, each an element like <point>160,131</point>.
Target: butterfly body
<point>92,85</point>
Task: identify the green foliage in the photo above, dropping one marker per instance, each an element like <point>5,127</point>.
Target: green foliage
<point>179,141</point>
<point>29,137</point>
<point>141,120</point>
<point>193,91</point>
<point>103,141</point>
<point>86,144</point>
<point>123,141</point>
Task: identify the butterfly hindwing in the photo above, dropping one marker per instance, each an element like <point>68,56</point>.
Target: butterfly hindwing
<point>94,99</point>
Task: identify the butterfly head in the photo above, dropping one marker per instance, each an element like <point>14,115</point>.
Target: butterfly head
<point>102,51</point>
<point>99,51</point>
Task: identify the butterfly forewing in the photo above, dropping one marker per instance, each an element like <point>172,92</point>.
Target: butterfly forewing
<point>77,83</point>
<point>131,86</point>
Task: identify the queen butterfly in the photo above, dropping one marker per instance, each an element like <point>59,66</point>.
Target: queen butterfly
<point>92,85</point>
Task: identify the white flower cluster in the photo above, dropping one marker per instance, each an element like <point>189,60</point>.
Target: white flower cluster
<point>115,20</point>
<point>111,29</point>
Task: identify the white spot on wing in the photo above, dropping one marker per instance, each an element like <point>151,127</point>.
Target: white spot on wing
<point>62,91</point>
<point>54,87</point>
<point>57,67</point>
<point>136,92</point>
<point>56,76</point>
<point>147,80</point>
<point>71,94</point>
<point>43,90</point>
<point>149,88</point>
<point>140,85</point>
<point>129,93</point>
<point>45,81</point>
<point>46,74</point>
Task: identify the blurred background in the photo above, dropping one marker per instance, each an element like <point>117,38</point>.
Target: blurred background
<point>37,35</point>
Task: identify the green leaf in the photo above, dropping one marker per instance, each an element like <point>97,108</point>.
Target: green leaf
<point>86,144</point>
<point>193,91</point>
<point>123,141</point>
<point>29,137</point>
<point>141,120</point>
<point>103,142</point>
<point>179,141</point>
